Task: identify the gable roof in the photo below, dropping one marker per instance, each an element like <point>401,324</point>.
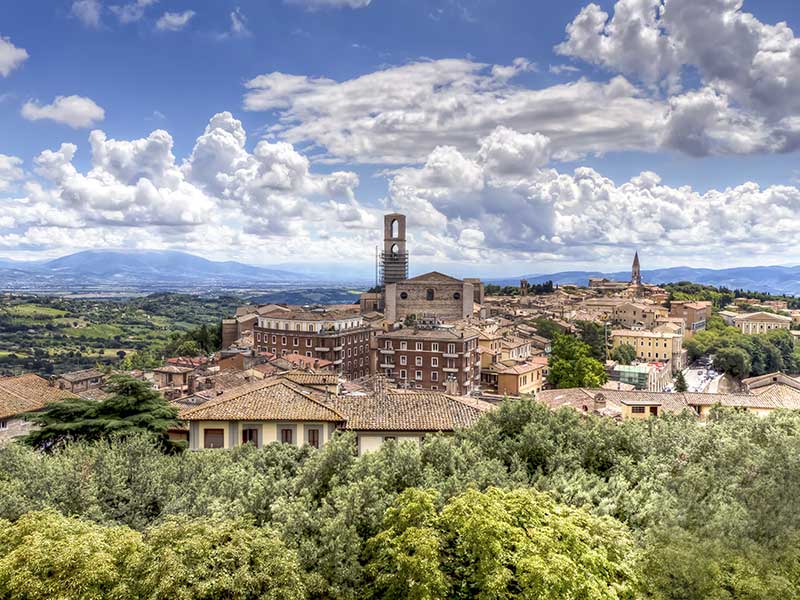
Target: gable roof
<point>28,393</point>
<point>762,316</point>
<point>433,277</point>
<point>276,400</point>
<point>409,411</point>
<point>76,376</point>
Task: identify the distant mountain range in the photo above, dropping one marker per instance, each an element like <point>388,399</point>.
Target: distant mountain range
<point>774,280</point>
<point>127,271</point>
<point>141,270</point>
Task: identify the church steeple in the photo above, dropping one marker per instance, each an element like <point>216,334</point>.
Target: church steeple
<point>636,273</point>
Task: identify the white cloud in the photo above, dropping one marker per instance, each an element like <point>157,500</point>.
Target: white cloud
<point>132,11</point>
<point>238,24</point>
<point>88,12</point>
<point>317,4</point>
<point>400,114</point>
<point>11,57</point>
<point>75,111</point>
<point>532,214</point>
<point>755,64</point>
<point>10,171</point>
<point>170,21</point>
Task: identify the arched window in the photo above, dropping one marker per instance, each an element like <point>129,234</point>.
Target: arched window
<point>429,294</point>
<point>395,249</point>
<point>395,228</point>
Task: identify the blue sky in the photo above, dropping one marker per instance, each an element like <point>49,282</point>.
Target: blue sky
<point>513,132</point>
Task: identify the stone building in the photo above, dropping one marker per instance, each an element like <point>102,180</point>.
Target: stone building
<point>652,346</point>
<point>437,359</point>
<point>694,314</point>
<point>342,338</point>
<point>761,322</point>
<point>635,314</point>
<point>433,294</point>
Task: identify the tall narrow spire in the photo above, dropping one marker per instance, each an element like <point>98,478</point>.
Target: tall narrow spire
<point>636,273</point>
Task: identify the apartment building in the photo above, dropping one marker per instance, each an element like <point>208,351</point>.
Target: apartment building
<point>653,346</point>
<point>694,314</point>
<point>635,314</point>
<point>340,337</point>
<point>436,359</point>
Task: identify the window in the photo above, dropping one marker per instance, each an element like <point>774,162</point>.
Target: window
<point>298,327</point>
<point>296,342</point>
<point>404,360</point>
<point>3,425</point>
<point>403,296</point>
<point>250,436</point>
<point>313,438</point>
<point>418,346</point>
<point>418,361</point>
<point>451,348</point>
<point>403,345</point>
<point>274,339</point>
<point>457,296</point>
<point>435,376</point>
<point>308,342</point>
<point>403,374</point>
<point>283,340</point>
<point>286,436</point>
<point>429,294</point>
<point>308,354</point>
<point>311,328</point>
<point>435,347</point>
<point>258,337</point>
<point>388,345</point>
<point>434,361</point>
<point>213,438</point>
<point>418,375</point>
<point>638,410</point>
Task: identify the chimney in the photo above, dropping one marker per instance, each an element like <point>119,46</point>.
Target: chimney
<point>599,402</point>
<point>191,383</point>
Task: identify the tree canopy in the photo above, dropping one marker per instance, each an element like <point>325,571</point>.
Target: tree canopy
<point>571,364</point>
<point>134,407</point>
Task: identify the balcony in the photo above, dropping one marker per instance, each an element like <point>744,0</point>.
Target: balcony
<point>337,348</point>
<point>387,365</point>
<point>450,370</point>
<point>387,351</point>
<point>448,355</point>
<point>337,362</point>
<point>322,349</point>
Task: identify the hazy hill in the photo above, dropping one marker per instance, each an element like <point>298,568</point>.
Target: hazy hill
<point>776,280</point>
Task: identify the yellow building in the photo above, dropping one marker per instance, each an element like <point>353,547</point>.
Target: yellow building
<point>761,322</point>
<point>652,346</point>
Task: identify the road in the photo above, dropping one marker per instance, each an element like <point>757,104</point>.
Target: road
<point>699,380</point>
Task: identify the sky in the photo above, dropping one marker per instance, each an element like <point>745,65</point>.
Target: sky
<point>518,136</point>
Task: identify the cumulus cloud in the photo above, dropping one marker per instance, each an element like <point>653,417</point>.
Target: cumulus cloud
<point>498,205</point>
<point>132,11</point>
<point>10,171</point>
<point>88,12</point>
<point>400,114</point>
<point>171,21</point>
<point>743,62</point>
<point>317,4</point>
<point>137,194</point>
<point>75,111</point>
<point>11,57</point>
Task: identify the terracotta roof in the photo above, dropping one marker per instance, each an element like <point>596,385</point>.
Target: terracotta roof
<point>304,378</point>
<point>409,411</point>
<point>276,400</point>
<point>433,276</point>
<point>173,369</point>
<point>27,393</point>
<point>307,361</point>
<point>445,333</point>
<point>762,316</point>
<point>81,375</point>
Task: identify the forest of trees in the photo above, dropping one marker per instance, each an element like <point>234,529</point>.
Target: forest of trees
<point>529,503</point>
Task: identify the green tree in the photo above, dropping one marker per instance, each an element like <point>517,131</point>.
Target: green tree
<point>734,361</point>
<point>680,382</point>
<point>572,366</point>
<point>47,555</point>
<point>133,408</point>
<point>593,334</point>
<point>217,558</point>
<point>624,354</point>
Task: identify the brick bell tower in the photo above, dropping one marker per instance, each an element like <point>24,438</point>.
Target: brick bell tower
<point>394,258</point>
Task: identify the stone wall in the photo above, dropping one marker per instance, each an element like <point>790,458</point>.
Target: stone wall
<point>450,301</point>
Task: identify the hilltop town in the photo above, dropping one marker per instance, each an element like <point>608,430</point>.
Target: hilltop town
<point>432,353</point>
